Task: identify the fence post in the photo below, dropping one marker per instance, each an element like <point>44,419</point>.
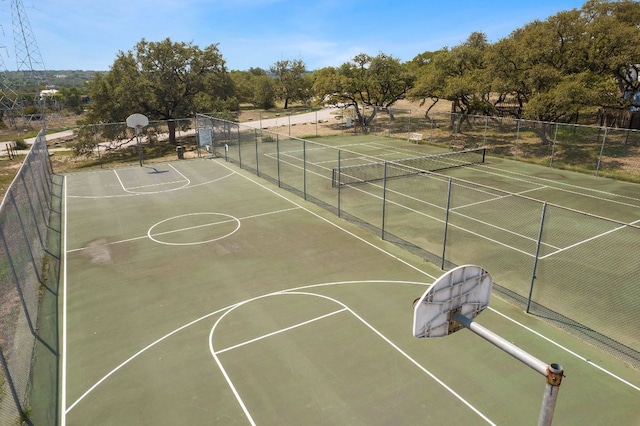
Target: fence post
<point>431,126</point>
<point>486,126</point>
<point>338,177</point>
<point>278,158</point>
<point>239,147</point>
<point>517,137</point>
<point>304,168</point>
<point>384,197</point>
<point>604,138</point>
<point>255,138</point>
<point>446,225</point>
<point>553,148</point>
<point>535,261</point>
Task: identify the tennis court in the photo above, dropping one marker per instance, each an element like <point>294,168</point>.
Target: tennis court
<point>198,293</point>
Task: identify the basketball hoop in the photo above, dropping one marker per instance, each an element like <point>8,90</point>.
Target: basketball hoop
<point>138,122</point>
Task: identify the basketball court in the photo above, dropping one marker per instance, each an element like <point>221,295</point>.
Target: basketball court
<point>197,293</point>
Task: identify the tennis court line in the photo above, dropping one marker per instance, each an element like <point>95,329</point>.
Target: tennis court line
<point>558,186</point>
<point>456,226</point>
<point>495,198</point>
<point>595,237</point>
<point>362,320</point>
<point>567,350</point>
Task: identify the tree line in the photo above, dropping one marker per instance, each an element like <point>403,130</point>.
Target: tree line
<point>574,62</point>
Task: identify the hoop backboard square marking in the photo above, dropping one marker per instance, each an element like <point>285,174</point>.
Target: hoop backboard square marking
<point>465,289</point>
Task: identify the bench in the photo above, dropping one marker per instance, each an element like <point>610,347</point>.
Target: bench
<point>415,137</point>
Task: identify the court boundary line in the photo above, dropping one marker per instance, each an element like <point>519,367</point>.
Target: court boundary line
<point>124,188</point>
<point>63,361</point>
<point>137,194</point>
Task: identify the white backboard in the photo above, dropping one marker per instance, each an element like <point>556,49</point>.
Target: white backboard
<point>465,289</point>
<point>137,121</point>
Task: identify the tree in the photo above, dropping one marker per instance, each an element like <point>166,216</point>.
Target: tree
<point>377,82</point>
<point>72,99</point>
<point>290,84</point>
<point>430,78</point>
<point>163,80</point>
<point>254,86</point>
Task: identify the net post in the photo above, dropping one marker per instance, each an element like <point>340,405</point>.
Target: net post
<point>537,256</point>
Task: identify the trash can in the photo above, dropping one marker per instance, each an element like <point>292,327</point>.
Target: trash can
<point>180,151</point>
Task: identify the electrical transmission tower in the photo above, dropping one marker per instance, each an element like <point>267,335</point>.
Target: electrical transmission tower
<point>10,105</point>
<point>30,68</point>
<point>28,59</point>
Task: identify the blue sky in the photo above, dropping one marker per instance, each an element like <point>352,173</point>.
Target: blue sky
<point>88,34</point>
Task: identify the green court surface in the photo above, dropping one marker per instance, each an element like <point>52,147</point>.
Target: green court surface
<point>197,293</point>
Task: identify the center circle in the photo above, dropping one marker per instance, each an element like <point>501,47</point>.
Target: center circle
<point>193,229</point>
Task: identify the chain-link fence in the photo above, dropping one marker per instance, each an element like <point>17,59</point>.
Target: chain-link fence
<point>575,269</point>
<point>24,225</point>
<point>601,151</point>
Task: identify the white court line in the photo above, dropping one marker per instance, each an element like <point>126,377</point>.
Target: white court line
<point>345,308</point>
<point>335,225</point>
<point>300,324</point>
<point>65,409</point>
<point>531,239</point>
<point>197,320</point>
<point>554,184</point>
<point>455,211</point>
<point>125,189</point>
<point>567,350</point>
<point>135,194</point>
<point>156,184</point>
<point>187,228</point>
<point>595,237</point>
<point>63,362</point>
<point>510,194</point>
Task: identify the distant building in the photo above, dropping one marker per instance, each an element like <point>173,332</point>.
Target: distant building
<point>48,93</point>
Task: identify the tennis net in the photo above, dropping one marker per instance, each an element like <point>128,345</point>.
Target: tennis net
<point>371,172</point>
